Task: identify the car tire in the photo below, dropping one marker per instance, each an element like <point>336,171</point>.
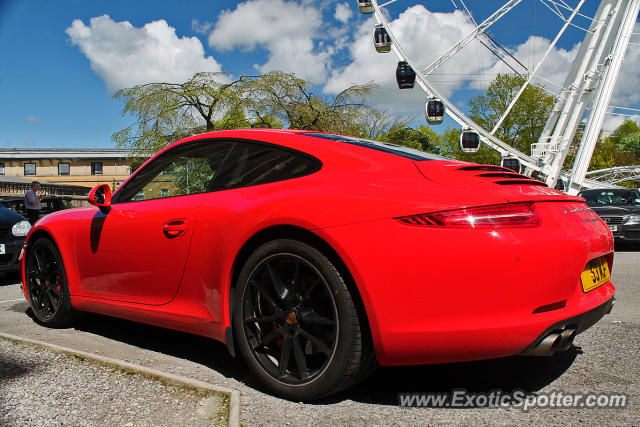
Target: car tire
<point>46,285</point>
<point>295,321</point>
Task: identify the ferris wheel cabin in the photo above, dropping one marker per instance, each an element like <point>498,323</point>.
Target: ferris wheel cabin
<point>405,76</point>
<point>511,163</point>
<point>434,111</point>
<point>381,39</point>
<point>365,6</point>
<point>469,141</point>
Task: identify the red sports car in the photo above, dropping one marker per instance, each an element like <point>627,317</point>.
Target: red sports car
<point>318,256</point>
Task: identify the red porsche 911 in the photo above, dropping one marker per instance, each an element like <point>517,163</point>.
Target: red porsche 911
<point>317,257</point>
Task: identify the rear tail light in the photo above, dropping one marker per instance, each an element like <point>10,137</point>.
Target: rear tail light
<point>498,216</point>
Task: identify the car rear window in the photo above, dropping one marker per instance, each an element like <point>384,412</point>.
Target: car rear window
<point>398,150</point>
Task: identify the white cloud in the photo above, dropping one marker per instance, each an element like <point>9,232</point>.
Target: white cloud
<point>343,12</point>
<point>553,70</point>
<point>200,27</point>
<point>626,92</point>
<point>32,119</point>
<point>124,55</point>
<point>287,30</point>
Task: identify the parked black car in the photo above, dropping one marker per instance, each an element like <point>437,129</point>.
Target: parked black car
<point>49,204</point>
<point>619,208</point>
<point>13,229</point>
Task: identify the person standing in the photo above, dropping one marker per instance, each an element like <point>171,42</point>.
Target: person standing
<point>32,202</point>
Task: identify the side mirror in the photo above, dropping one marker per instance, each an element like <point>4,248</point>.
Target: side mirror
<point>100,196</point>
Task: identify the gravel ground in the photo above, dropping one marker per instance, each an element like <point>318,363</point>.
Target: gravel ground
<point>41,388</point>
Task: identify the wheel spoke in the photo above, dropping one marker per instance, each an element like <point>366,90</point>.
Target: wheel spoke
<point>310,289</point>
<point>318,344</point>
<point>301,360</point>
<point>39,262</point>
<point>269,318</point>
<point>278,283</point>
<point>53,301</point>
<point>314,318</point>
<point>284,354</point>
<point>296,278</point>
<point>276,333</point>
<point>266,294</point>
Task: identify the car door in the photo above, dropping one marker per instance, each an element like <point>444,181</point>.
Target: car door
<point>136,252</point>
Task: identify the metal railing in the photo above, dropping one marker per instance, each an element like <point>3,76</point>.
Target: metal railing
<point>53,189</point>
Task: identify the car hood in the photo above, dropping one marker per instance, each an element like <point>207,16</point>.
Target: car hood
<point>489,179</point>
<point>9,217</point>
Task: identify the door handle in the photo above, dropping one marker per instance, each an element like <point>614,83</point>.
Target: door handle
<point>175,228</point>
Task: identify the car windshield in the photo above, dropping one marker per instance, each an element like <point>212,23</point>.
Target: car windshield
<point>398,150</point>
<point>612,197</point>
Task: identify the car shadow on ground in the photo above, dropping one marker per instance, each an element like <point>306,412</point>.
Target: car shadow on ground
<point>508,374</point>
<point>10,278</point>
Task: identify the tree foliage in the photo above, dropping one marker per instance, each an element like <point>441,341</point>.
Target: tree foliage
<point>524,124</point>
<point>621,148</point>
<point>421,138</point>
<point>165,112</point>
<point>289,99</point>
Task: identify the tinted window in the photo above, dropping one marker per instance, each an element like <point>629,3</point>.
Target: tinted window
<point>611,197</point>
<point>386,147</point>
<point>253,164</point>
<point>186,169</point>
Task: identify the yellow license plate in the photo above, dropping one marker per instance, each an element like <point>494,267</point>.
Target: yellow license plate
<point>596,273</point>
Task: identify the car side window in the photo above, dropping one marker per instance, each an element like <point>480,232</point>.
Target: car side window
<point>186,169</point>
<point>253,163</point>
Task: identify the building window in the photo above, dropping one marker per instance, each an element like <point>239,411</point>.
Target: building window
<point>29,169</point>
<point>164,192</point>
<point>169,170</point>
<point>96,168</point>
<point>139,196</point>
<point>1,168</point>
<point>63,168</point>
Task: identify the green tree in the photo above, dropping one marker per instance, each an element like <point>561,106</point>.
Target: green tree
<point>165,112</point>
<point>421,138</point>
<point>621,148</point>
<point>524,123</point>
<point>289,99</point>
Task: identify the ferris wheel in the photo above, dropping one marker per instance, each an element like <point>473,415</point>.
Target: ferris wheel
<point>582,101</point>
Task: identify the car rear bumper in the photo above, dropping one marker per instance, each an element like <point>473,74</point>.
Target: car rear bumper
<point>560,335</point>
<point>437,294</point>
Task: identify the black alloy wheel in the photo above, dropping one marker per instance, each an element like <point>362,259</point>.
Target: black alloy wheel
<point>296,323</point>
<point>47,284</point>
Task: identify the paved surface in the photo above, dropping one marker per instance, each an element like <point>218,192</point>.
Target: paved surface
<point>605,360</point>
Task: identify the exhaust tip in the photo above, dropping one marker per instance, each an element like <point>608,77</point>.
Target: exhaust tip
<point>558,340</point>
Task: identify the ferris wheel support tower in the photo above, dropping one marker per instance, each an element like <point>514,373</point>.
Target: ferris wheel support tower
<point>592,78</point>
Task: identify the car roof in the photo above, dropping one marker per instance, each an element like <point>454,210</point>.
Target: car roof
<point>315,143</point>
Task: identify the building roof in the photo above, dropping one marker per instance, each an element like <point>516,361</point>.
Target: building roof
<point>64,153</point>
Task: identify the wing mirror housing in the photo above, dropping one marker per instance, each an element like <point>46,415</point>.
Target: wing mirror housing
<point>100,196</point>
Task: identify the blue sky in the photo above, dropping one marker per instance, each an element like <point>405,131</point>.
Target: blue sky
<point>63,60</point>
